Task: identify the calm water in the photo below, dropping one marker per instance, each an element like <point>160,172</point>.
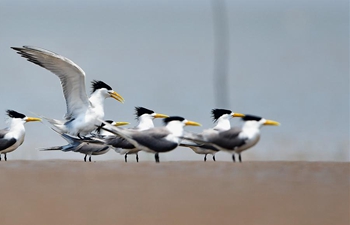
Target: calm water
<point>288,61</point>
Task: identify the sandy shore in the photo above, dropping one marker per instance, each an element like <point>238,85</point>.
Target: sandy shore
<point>114,192</point>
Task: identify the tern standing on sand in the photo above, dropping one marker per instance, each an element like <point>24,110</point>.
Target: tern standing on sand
<point>13,136</point>
<point>222,118</point>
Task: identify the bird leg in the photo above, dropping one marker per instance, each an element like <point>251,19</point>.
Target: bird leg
<point>126,157</point>
<point>85,158</point>
<point>156,156</point>
<point>205,157</point>
<point>5,156</point>
<point>213,157</point>
<point>89,158</point>
<point>239,157</point>
<point>137,157</point>
<point>233,157</point>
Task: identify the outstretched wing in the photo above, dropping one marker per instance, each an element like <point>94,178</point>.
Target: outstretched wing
<point>71,75</point>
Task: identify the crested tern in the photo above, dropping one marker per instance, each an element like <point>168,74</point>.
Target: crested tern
<point>236,140</point>
<point>158,139</point>
<point>145,118</point>
<point>83,113</point>
<point>222,119</point>
<point>87,147</point>
<point>13,136</point>
<point>94,145</point>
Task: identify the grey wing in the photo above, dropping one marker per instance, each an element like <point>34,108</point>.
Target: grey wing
<point>5,143</point>
<point>228,139</point>
<point>119,142</point>
<point>90,148</point>
<point>72,77</point>
<point>189,139</point>
<point>154,139</point>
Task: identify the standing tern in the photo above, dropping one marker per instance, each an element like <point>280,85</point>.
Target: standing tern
<point>156,140</point>
<point>83,113</point>
<point>121,145</point>
<point>88,146</point>
<point>236,140</point>
<point>222,119</point>
<point>13,136</point>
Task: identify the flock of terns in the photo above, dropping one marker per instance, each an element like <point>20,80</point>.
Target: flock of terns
<point>86,132</point>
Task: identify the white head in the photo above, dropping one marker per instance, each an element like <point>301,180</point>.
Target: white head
<point>17,118</point>
<point>146,117</point>
<point>222,117</point>
<point>251,121</point>
<point>175,124</point>
<point>103,89</point>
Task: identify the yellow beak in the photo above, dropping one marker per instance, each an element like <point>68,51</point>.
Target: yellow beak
<point>116,96</point>
<point>271,122</point>
<point>158,115</point>
<point>117,124</point>
<point>237,115</point>
<point>32,119</point>
<point>192,123</point>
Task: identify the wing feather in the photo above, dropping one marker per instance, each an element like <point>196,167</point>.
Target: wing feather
<point>72,77</point>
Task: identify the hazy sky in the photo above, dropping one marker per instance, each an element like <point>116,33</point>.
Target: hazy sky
<point>288,61</point>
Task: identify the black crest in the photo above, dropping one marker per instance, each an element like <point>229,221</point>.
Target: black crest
<point>251,117</point>
<point>139,111</point>
<point>14,114</point>
<point>97,84</point>
<point>173,118</point>
<point>217,113</point>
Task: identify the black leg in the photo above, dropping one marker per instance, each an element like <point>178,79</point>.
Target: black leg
<point>0,156</point>
<point>126,157</point>
<point>240,158</point>
<point>5,156</point>
<point>213,157</point>
<point>85,158</point>
<point>90,158</point>
<point>156,156</point>
<point>233,157</point>
<point>205,157</point>
<point>79,136</point>
<point>137,157</point>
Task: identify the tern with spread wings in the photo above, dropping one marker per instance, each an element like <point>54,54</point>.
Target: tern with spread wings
<point>83,113</point>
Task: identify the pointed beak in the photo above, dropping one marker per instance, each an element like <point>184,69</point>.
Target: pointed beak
<point>117,124</point>
<point>272,123</point>
<point>116,96</point>
<point>237,115</point>
<point>192,123</point>
<point>32,119</point>
<point>158,115</point>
